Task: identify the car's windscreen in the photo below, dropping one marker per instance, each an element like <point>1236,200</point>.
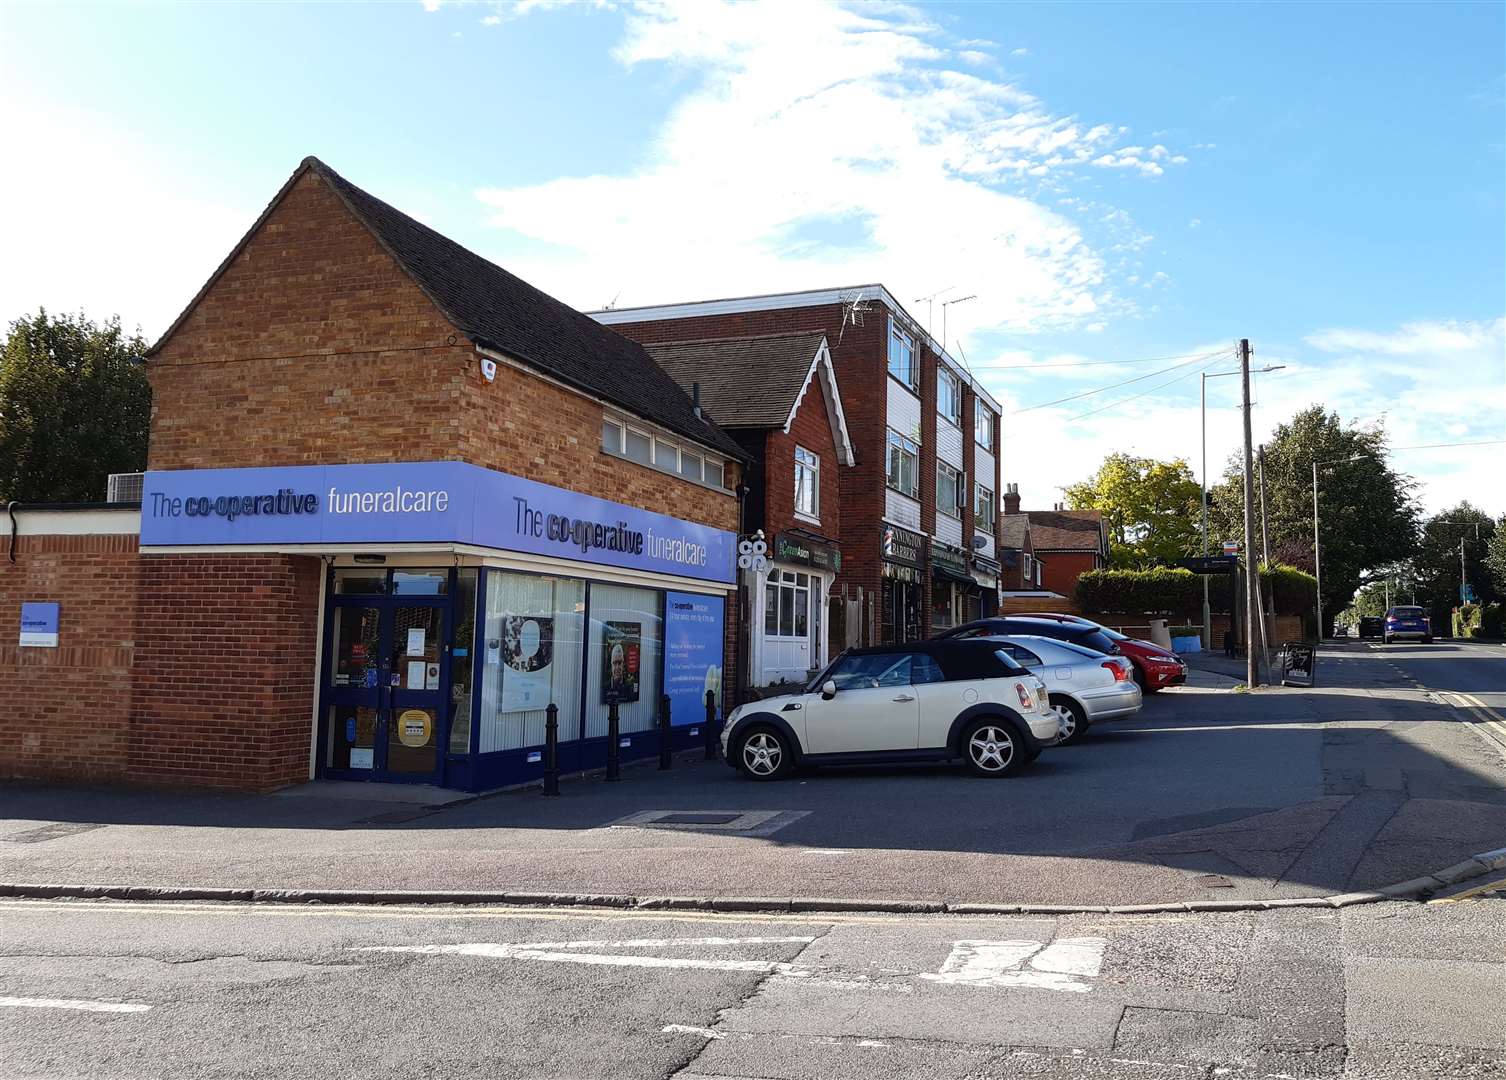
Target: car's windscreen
<point>1407,612</point>
<point>1113,635</point>
<point>1096,640</point>
<point>865,672</point>
<point>1079,650</point>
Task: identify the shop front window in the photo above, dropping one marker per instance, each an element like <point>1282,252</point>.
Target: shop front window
<point>462,658</point>
<point>787,603</point>
<point>943,605</point>
<point>533,636</point>
<point>622,659</point>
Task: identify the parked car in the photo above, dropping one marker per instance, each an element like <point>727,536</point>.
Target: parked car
<point>1407,623</point>
<point>1155,667</point>
<point>1372,626</point>
<point>1083,687</point>
<point>924,701</point>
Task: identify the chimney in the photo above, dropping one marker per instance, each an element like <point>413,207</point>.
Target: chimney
<point>1012,498</point>
<point>695,398</point>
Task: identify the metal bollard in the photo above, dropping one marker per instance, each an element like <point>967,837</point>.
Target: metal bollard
<point>711,740</point>
<point>614,766</point>
<point>664,733</point>
<point>552,749</point>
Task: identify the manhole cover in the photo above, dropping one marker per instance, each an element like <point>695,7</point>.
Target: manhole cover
<point>51,832</point>
<point>698,819</point>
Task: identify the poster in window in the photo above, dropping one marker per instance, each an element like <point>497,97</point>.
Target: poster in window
<point>693,628</point>
<point>528,658</point>
<point>621,651</point>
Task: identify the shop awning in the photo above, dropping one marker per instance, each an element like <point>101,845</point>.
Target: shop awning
<point>946,573</point>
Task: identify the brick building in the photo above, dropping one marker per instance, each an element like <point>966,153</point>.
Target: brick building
<point>919,531</point>
<point>1064,543</point>
<point>398,502</point>
<point>777,395</point>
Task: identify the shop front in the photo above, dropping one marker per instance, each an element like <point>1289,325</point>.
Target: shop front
<point>460,604</point>
<point>789,607</point>
<point>954,592</point>
<point>904,584</point>
<point>986,573</point>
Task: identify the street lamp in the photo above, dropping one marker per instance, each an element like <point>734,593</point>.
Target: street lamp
<point>1317,561</point>
<point>1207,629</point>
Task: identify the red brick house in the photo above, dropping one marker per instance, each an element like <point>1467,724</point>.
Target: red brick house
<point>920,523</point>
<point>1065,543</point>
<point>1022,572</point>
<point>777,395</point>
<point>398,502</point>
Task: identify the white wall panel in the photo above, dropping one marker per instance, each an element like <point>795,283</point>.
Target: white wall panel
<point>901,509</point>
<point>904,410</point>
<point>949,443</point>
<point>985,469</point>
<point>949,530</point>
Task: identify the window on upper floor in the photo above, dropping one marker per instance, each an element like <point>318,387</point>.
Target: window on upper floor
<point>950,492</point>
<point>807,483</point>
<point>949,395</point>
<point>983,425</point>
<point>620,439</point>
<point>904,465</point>
<point>983,509</point>
<point>904,365</point>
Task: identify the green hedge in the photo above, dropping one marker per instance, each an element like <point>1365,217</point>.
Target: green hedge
<point>1472,620</point>
<point>1173,591</point>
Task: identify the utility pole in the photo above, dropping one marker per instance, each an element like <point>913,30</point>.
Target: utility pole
<point>1207,624</point>
<point>1317,555</point>
<point>1252,572</point>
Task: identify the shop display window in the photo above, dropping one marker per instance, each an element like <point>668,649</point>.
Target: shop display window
<point>532,637</point>
<point>624,640</point>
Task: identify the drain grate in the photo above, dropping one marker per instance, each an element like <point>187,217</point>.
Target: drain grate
<point>55,831</point>
<point>697,819</point>
<point>753,823</point>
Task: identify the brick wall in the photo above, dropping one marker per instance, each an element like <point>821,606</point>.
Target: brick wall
<point>70,706</point>
<point>811,430</point>
<point>314,348</point>
<point>1061,569</point>
<point>225,655</point>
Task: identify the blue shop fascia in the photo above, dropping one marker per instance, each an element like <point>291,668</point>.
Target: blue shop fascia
<point>459,604</point>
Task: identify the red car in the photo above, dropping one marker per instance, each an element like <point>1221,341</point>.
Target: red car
<point>1155,668</point>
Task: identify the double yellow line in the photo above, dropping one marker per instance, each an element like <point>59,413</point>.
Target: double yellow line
<point>1493,722</point>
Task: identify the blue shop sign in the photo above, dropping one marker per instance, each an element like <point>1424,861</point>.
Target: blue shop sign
<point>39,624</point>
<point>692,654</point>
<point>422,502</point>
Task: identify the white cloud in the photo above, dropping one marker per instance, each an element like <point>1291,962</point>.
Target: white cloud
<point>1019,52</point>
<point>804,119</point>
<point>1194,223</point>
<point>975,57</point>
<point>1425,338</point>
<point>431,5</point>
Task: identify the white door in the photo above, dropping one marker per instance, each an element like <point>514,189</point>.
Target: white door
<point>875,707</point>
<point>789,651</point>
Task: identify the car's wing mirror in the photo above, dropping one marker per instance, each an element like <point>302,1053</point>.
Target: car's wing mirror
<point>828,690</point>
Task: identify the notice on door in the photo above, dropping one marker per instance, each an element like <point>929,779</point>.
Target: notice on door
<point>415,641</point>
<point>416,675</point>
<point>360,757</point>
<point>431,677</point>
<point>414,726</point>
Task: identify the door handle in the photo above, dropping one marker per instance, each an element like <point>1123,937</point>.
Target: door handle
<point>905,697</point>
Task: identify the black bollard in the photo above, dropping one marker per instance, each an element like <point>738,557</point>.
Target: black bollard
<point>711,741</point>
<point>614,766</point>
<point>552,749</point>
<point>664,747</point>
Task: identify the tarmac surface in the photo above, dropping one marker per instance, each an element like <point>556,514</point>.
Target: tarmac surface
<point>1377,775</point>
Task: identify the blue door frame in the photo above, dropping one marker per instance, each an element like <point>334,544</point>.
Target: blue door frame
<point>384,689</point>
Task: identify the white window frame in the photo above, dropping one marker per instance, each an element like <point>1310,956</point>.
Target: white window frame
<point>949,394</point>
<point>1027,561</point>
<point>948,477</point>
<point>978,500</point>
<point>782,583</point>
<point>678,452</point>
<point>808,467</point>
<point>910,448</point>
<point>980,410</point>
<point>897,336</point>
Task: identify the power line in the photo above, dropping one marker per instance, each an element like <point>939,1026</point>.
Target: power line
<point>1440,445</point>
<point>1208,357</point>
<point>1083,364</point>
<point>1141,394</point>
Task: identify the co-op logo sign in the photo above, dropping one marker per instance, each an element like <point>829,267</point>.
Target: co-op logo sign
<point>287,502</point>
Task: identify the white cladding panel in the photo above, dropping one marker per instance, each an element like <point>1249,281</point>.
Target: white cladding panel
<point>901,509</point>
<point>904,409</point>
<point>949,443</point>
<point>949,530</point>
<point>985,471</point>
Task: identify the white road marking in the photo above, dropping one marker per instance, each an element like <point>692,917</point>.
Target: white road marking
<point>686,1029</point>
<point>1063,965</point>
<point>824,851</point>
<point>503,951</point>
<point>70,1003</point>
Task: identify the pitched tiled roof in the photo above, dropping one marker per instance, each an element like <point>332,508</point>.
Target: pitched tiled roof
<point>1066,530</point>
<point>746,382</point>
<point>500,311</point>
<point>1015,530</point>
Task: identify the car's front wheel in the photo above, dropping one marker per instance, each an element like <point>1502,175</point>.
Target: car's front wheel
<point>764,753</point>
<point>1071,720</point>
<point>993,747</point>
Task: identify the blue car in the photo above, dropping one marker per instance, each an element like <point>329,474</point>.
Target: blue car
<point>1407,623</point>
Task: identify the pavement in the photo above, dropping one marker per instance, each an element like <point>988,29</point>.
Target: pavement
<point>1377,775</point>
<point>1389,991</point>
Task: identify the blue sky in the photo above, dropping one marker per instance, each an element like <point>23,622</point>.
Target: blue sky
<point>1112,181</point>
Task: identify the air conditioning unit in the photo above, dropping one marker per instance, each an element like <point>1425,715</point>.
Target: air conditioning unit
<point>124,487</point>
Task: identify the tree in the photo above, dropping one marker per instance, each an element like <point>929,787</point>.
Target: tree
<point>1366,513</point>
<point>74,407</point>
<point>1436,564</point>
<point>1149,506</point>
<point>1495,556</point>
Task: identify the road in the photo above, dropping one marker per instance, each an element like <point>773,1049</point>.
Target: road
<point>115,990</point>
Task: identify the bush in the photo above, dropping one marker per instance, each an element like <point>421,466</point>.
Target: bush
<point>1493,621</point>
<point>1294,592</point>
<point>1466,620</point>
<point>1185,631</point>
<point>1177,591</point>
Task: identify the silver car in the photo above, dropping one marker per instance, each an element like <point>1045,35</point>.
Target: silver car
<point>1084,687</point>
